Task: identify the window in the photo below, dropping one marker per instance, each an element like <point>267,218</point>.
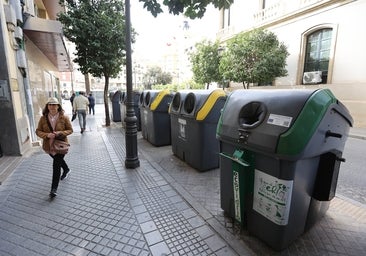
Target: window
<point>318,46</point>
<point>227,18</point>
<point>268,3</point>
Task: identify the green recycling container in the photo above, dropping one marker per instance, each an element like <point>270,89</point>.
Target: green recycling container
<point>242,166</point>
<point>291,144</point>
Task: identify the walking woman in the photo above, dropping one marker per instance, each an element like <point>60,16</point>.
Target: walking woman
<point>54,124</point>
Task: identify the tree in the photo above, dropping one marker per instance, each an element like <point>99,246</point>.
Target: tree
<point>190,8</point>
<point>92,25</point>
<point>205,62</point>
<point>254,57</point>
<point>165,78</point>
<point>154,76</point>
<point>193,85</point>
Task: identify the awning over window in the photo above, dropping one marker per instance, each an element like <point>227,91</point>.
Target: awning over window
<point>47,36</point>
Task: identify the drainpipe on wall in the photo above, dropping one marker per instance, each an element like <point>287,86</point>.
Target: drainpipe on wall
<point>30,112</point>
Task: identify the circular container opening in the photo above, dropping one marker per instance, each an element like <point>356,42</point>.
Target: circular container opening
<point>252,114</point>
<point>142,99</point>
<point>189,103</point>
<point>147,99</point>
<point>176,101</point>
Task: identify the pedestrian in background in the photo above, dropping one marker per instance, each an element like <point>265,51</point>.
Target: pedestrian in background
<point>91,103</point>
<point>54,117</point>
<point>72,98</point>
<point>73,112</point>
<point>80,106</point>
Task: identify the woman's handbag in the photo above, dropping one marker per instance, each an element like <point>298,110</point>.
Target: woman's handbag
<point>59,145</point>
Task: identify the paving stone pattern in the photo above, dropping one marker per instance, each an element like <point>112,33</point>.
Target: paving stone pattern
<point>90,216</point>
<point>341,232</point>
<point>164,207</point>
<point>101,208</point>
<point>169,223</point>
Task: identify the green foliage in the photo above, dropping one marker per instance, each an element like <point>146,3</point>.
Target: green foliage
<point>165,78</point>
<point>176,87</point>
<point>254,57</point>
<point>171,87</point>
<point>205,62</point>
<point>97,28</point>
<point>155,76</point>
<point>192,85</point>
<point>190,8</point>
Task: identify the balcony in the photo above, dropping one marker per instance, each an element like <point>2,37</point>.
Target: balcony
<point>284,8</point>
<point>42,28</point>
<point>47,36</point>
<point>226,33</point>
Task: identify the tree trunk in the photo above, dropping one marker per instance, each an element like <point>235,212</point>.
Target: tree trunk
<point>246,85</point>
<point>87,83</point>
<point>106,105</point>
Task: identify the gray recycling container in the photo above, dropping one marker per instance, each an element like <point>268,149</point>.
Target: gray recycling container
<point>175,111</point>
<point>280,154</point>
<point>155,118</point>
<point>194,116</point>
<point>123,107</point>
<point>136,108</point>
<point>142,107</point>
<point>116,111</point>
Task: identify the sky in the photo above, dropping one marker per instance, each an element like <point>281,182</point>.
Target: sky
<point>154,34</point>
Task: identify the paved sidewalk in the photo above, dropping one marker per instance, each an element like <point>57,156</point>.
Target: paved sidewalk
<point>101,208</point>
<point>164,207</point>
<point>342,231</point>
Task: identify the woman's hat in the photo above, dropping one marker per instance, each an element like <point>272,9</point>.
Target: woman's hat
<point>53,101</point>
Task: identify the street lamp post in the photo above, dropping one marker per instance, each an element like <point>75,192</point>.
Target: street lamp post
<point>132,160</point>
<point>134,76</point>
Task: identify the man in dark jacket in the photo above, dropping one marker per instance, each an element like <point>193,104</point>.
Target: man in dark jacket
<point>72,98</point>
<point>91,103</point>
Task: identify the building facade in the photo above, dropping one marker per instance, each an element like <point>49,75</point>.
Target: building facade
<point>32,53</point>
<point>324,40</point>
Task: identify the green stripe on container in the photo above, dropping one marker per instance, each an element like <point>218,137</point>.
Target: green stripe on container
<point>297,137</point>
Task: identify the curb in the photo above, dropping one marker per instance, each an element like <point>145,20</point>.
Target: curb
<point>357,136</point>
<point>236,244</point>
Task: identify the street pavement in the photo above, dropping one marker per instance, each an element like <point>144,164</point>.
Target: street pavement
<point>163,207</point>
